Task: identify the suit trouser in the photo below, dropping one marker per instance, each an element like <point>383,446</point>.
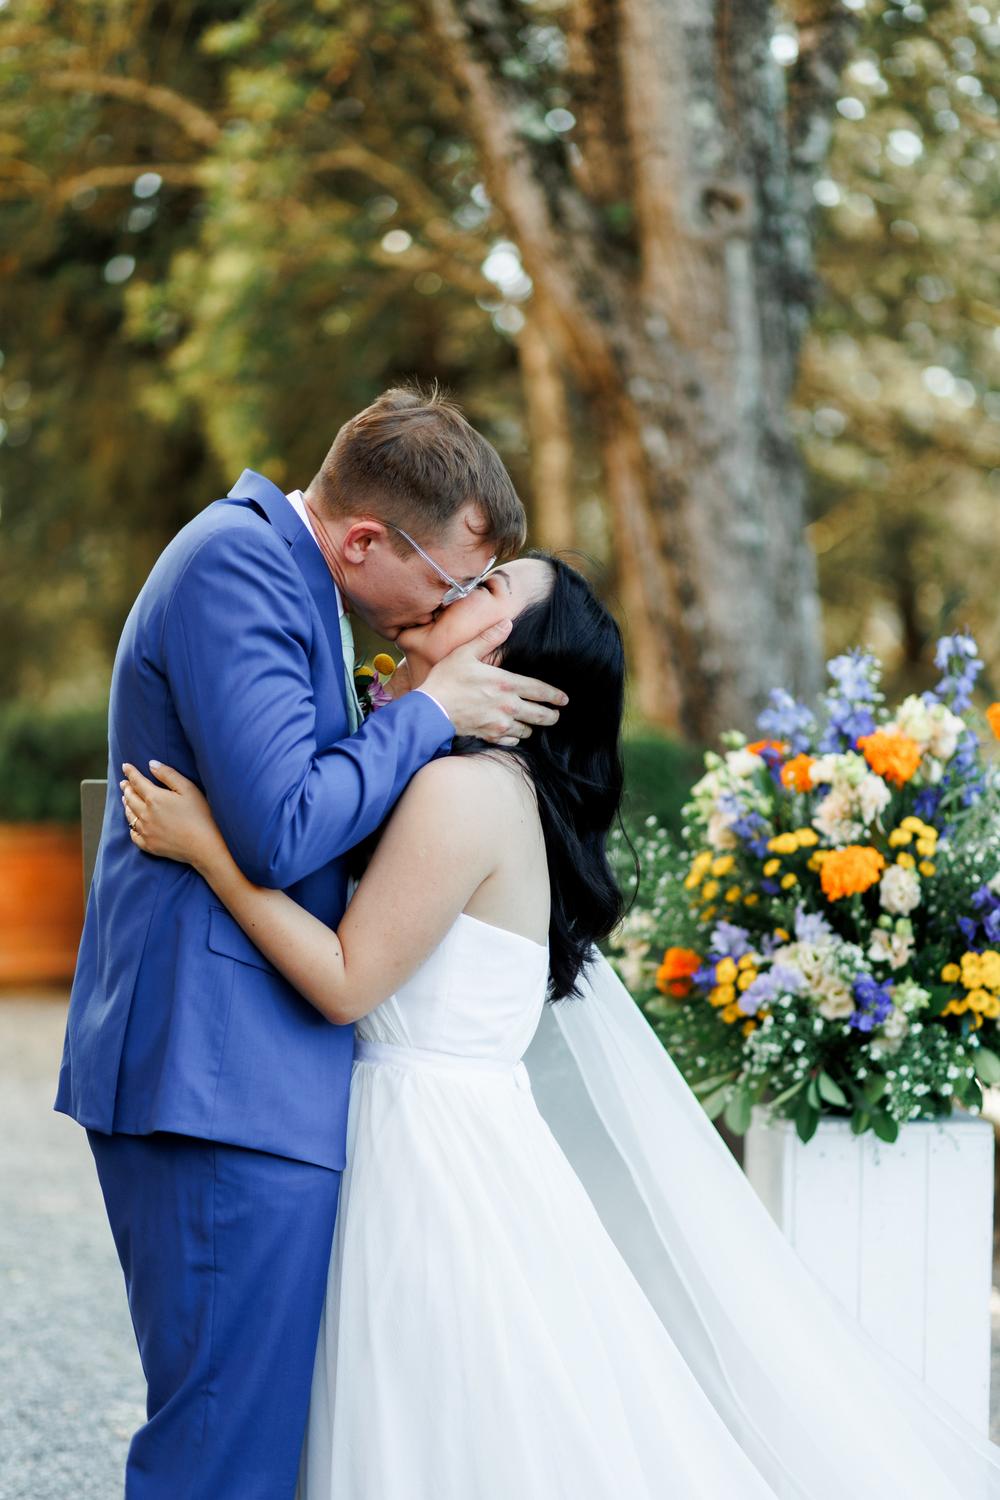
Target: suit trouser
<point>225,1253</point>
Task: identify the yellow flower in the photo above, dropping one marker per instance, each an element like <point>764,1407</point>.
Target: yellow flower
<point>733,894</point>
<point>808,838</point>
<point>748,1025</point>
<point>751,900</point>
<point>384,664</point>
<point>781,935</point>
<point>748,961</point>
<point>926,867</point>
<point>723,994</point>
<point>927,848</point>
<point>915,825</point>
<point>708,913</point>
<point>783,843</point>
<point>691,883</point>
<point>732,1013</point>
<point>899,838</point>
<point>906,861</point>
<point>978,999</point>
<point>723,864</point>
<point>951,973</point>
<point>725,971</point>
<point>700,866</point>
<point>787,881</point>
<point>746,979</point>
<point>710,890</point>
<point>992,1009</point>
<point>993,718</point>
<point>772,867</point>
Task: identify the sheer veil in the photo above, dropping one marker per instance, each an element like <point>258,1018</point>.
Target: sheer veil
<point>821,1411</point>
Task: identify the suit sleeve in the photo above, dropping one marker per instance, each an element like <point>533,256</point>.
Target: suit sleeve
<point>236,646</point>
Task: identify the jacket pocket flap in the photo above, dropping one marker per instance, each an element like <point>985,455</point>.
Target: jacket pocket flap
<point>227,937</point>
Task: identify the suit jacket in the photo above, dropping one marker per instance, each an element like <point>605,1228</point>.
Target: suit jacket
<point>230,668</point>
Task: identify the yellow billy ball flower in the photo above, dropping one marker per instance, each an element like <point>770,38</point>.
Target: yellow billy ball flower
<point>927,867</point>
<point>906,861</point>
<point>772,867</point>
<point>725,971</point>
<point>710,890</point>
<point>807,838</point>
<point>899,838</point>
<point>384,664</point>
<point>913,825</point>
<point>723,864</point>
<point>951,973</point>
<point>787,881</point>
<point>783,843</point>
<point>926,848</point>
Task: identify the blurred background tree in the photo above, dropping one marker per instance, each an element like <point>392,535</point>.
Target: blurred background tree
<point>226,226</point>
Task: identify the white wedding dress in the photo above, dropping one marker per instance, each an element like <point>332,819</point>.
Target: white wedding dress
<point>503,1325</point>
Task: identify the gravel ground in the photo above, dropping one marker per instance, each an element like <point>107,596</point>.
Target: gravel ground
<point>71,1390</point>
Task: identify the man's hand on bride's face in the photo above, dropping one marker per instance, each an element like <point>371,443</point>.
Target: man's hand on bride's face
<point>173,820</point>
<point>487,701</point>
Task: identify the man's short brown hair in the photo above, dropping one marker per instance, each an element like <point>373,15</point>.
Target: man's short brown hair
<point>411,458</point>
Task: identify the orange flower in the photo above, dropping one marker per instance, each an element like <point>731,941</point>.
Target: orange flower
<point>993,718</point>
<point>673,977</point>
<point>795,773</point>
<point>847,872</point>
<point>778,746</point>
<point>891,754</point>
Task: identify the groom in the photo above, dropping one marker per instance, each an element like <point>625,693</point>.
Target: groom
<point>214,1097</point>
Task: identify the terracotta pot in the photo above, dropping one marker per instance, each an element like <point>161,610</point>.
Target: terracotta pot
<point>41,902</point>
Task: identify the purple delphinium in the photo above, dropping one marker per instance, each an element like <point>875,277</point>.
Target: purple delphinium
<point>873,1002</point>
<point>753,830</point>
<point>851,701</point>
<point>728,940</point>
<point>787,719</point>
<point>982,930</point>
<point>957,659</point>
<point>778,980</point>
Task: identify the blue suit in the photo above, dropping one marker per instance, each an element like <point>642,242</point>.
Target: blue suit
<point>193,1064</point>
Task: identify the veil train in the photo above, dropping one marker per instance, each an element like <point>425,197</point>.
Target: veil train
<point>821,1410</point>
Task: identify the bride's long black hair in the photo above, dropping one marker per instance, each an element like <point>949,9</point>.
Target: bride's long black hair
<point>572,642</point>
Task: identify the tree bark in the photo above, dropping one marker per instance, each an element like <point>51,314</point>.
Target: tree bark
<point>550,437</point>
<point>683,334</point>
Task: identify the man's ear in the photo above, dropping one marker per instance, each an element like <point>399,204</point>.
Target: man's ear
<point>358,539</point>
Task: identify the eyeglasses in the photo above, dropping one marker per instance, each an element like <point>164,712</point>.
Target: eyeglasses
<point>456,590</point>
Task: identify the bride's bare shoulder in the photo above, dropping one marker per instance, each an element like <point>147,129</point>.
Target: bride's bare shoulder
<point>488,783</point>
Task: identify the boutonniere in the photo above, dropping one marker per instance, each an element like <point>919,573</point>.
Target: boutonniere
<point>370,680</point>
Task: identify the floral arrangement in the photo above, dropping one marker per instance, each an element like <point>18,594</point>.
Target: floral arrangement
<point>825,939</point>
<point>370,683</point>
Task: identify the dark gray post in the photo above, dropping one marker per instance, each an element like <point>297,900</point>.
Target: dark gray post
<point>93,795</point>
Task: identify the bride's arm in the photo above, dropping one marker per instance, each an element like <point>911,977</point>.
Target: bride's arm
<point>440,844</point>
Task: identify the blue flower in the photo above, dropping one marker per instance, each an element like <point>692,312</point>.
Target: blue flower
<point>850,703</point>
<point>766,988</point>
<point>957,659</point>
<point>811,926</point>
<point>873,1002</point>
<point>728,940</point>
<point>787,719</point>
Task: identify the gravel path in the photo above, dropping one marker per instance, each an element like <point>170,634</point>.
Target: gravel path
<point>71,1390</point>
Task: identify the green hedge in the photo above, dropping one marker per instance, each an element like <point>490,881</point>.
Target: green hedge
<point>659,774</point>
<point>44,755</point>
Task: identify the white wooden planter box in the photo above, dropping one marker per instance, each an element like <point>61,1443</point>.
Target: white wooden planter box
<point>901,1234</point>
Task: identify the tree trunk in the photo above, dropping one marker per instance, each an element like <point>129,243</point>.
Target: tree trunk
<point>683,330</point>
<point>550,436</point>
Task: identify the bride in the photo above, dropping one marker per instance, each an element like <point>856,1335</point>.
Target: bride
<point>549,1278</point>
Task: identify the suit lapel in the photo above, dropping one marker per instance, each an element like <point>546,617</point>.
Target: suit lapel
<point>275,505</point>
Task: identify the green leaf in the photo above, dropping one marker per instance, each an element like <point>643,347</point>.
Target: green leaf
<point>737,1115</point>
<point>874,1087</point>
<point>987,1065</point>
<point>884,1126</point>
<point>860,1121</point>
<point>812,1093</point>
<point>806,1121</point>
<point>716,1103</point>
<point>830,1090</point>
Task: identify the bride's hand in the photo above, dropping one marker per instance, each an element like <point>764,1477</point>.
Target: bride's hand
<point>174,820</point>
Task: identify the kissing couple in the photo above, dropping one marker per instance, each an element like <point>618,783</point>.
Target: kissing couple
<point>410,1202</point>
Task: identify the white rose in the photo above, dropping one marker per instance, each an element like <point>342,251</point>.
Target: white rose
<point>873,797</point>
<point>946,731</point>
<point>744,762</point>
<point>913,717</point>
<point>834,819</point>
<point>899,890</point>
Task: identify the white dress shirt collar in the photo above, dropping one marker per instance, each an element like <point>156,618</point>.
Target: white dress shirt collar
<point>297,501</point>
